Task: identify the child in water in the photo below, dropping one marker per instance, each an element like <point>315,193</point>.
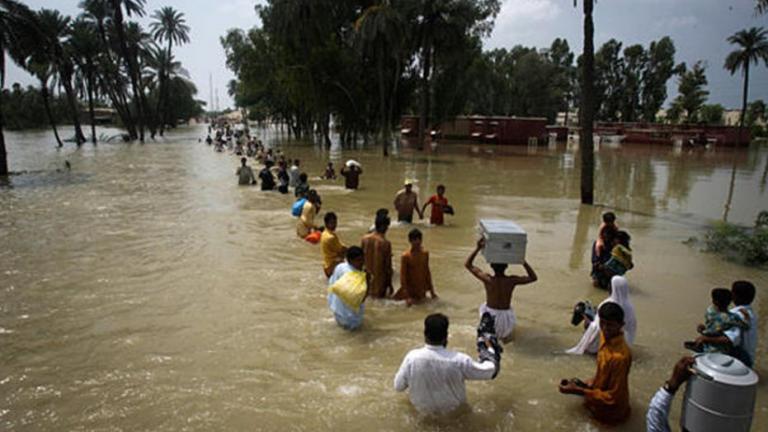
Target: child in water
<point>415,277</point>
<point>439,206</point>
<point>330,173</point>
<point>601,251</point>
<point>717,320</point>
<point>620,261</point>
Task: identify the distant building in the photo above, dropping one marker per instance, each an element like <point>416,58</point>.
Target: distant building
<point>731,117</point>
<point>100,115</point>
<point>573,118</point>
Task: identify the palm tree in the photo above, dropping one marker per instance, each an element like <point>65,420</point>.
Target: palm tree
<point>380,29</point>
<point>43,70</point>
<point>761,7</point>
<point>138,42</point>
<point>54,27</point>
<point>132,7</point>
<point>586,110</point>
<point>84,45</point>
<point>31,50</point>
<point>15,17</point>
<point>170,26</point>
<point>752,47</point>
<point>113,83</point>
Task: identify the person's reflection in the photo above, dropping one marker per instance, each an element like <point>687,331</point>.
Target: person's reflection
<point>587,214</point>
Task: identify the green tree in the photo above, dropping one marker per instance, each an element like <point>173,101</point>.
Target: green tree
<point>635,62</point>
<point>54,28</point>
<point>109,77</point>
<point>32,51</point>
<point>658,71</point>
<point>132,7</point>
<point>563,82</point>
<point>609,81</point>
<point>692,94</point>
<point>84,44</point>
<point>755,112</point>
<point>752,46</point>
<point>381,31</point>
<point>441,26</point>
<point>169,26</point>
<point>15,18</point>
<point>711,114</point>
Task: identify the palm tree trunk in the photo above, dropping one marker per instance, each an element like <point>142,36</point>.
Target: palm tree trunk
<point>131,65</point>
<point>3,153</point>
<point>159,106</point>
<point>115,92</point>
<point>744,103</point>
<point>382,104</point>
<point>393,95</point>
<point>425,97</point>
<point>162,102</point>
<point>46,104</point>
<point>587,109</point>
<point>66,78</point>
<point>91,113</point>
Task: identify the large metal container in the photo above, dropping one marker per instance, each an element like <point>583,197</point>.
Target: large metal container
<point>505,241</point>
<point>720,396</point>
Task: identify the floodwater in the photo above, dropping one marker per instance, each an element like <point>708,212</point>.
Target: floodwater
<point>145,291</point>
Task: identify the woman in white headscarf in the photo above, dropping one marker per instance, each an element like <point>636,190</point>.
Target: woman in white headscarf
<point>590,340</point>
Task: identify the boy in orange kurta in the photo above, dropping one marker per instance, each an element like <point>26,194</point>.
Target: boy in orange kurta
<point>415,277</point>
<point>606,396</point>
<point>378,259</point>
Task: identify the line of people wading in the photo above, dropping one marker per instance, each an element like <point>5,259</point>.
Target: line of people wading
<point>433,375</point>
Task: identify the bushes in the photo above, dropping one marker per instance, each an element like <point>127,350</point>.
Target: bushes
<point>747,245</point>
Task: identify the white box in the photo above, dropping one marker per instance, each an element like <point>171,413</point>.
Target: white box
<point>505,241</point>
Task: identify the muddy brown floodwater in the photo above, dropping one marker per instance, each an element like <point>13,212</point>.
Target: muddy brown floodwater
<point>145,291</point>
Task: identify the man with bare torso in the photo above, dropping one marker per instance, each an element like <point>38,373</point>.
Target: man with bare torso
<point>498,292</point>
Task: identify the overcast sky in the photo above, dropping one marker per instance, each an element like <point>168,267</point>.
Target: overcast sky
<point>698,27</point>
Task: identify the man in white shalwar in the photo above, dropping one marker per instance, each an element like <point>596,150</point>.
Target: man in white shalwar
<point>435,376</point>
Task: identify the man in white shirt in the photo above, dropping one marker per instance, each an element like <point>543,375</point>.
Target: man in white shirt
<point>435,376</point>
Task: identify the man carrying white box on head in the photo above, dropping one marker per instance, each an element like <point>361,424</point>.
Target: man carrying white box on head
<point>505,244</point>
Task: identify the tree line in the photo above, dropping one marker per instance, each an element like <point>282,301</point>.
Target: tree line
<point>362,63</point>
<point>100,57</point>
<point>365,63</point>
<point>22,108</point>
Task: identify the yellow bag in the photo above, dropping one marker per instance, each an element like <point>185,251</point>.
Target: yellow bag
<point>351,289</point>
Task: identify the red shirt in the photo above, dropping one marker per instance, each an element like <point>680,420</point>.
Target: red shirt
<point>436,218</point>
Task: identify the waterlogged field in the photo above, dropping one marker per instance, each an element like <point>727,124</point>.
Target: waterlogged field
<point>145,290</point>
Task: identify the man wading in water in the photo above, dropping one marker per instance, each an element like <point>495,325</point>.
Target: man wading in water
<point>498,292</point>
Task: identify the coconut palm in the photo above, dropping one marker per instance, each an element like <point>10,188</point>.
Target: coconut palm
<point>54,27</point>
<point>42,69</point>
<point>586,111</point>
<point>85,45</point>
<point>132,7</point>
<point>761,7</point>
<point>15,18</point>
<point>111,80</point>
<point>752,47</point>
<point>169,26</point>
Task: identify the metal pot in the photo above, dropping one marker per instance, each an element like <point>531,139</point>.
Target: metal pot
<point>720,396</point>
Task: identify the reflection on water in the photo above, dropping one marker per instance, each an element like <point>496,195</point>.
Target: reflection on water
<point>144,290</point>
